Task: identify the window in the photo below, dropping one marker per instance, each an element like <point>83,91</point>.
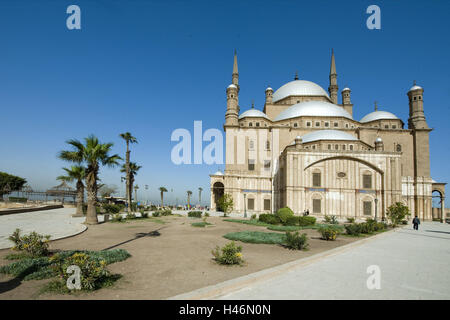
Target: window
<point>317,124</point>
<point>394,126</point>
<point>336,147</point>
<point>399,148</point>
<point>251,165</point>
<point>251,144</point>
<point>336,124</point>
<point>329,147</point>
<point>367,207</point>
<point>250,124</point>
<point>257,124</point>
<point>367,181</point>
<point>317,205</point>
<point>266,204</point>
<point>267,165</point>
<point>308,124</point>
<point>386,126</point>
<point>295,125</point>
<point>343,147</point>
<point>327,124</point>
<point>346,125</point>
<point>314,147</point>
<point>267,145</point>
<point>251,204</point>
<point>316,179</point>
<point>351,147</point>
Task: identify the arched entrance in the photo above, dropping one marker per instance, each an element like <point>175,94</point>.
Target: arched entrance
<point>218,191</point>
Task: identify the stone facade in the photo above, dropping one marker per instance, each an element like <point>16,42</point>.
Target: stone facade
<point>305,151</point>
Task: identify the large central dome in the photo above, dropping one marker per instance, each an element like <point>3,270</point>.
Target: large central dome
<point>315,109</point>
<point>299,88</point>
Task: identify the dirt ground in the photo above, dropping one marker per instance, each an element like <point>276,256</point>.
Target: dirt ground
<point>178,260</point>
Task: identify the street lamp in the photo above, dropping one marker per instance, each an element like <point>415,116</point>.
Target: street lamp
<point>376,208</point>
<point>245,205</point>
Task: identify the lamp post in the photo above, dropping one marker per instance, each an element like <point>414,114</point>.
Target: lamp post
<point>376,208</point>
<point>245,205</point>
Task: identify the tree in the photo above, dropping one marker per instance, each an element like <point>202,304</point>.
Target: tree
<point>128,139</point>
<point>200,195</point>
<point>93,154</point>
<point>76,173</point>
<point>397,212</point>
<point>162,190</point>
<point>226,203</point>
<point>133,169</point>
<point>10,183</point>
<point>107,190</point>
<point>136,187</point>
<point>189,193</point>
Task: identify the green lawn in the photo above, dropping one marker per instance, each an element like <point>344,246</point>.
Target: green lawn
<point>253,222</point>
<point>201,224</point>
<point>256,237</point>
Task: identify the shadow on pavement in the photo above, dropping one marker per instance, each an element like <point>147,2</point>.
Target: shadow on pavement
<point>154,233</point>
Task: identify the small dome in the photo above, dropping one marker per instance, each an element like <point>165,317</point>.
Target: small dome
<point>232,86</point>
<point>378,139</point>
<point>328,135</point>
<point>313,108</point>
<point>346,89</point>
<point>253,113</point>
<point>415,87</point>
<point>218,173</point>
<point>299,88</point>
<point>269,89</point>
<point>378,115</point>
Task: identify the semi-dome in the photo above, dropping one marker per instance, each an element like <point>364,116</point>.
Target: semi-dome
<point>328,135</point>
<point>299,88</point>
<point>218,173</point>
<point>253,113</point>
<point>378,115</point>
<point>415,87</point>
<point>313,108</point>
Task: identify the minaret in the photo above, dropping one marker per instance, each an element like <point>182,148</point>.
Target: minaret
<point>269,95</point>
<point>333,88</point>
<point>232,114</point>
<point>416,115</point>
<point>346,101</point>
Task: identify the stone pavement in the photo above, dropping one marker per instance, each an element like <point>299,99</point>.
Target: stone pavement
<point>58,223</point>
<point>413,265</point>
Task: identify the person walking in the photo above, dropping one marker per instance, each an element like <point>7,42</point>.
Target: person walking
<point>416,222</point>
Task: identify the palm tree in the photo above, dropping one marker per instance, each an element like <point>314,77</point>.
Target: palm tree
<point>76,173</point>
<point>93,154</point>
<point>136,187</point>
<point>134,168</point>
<point>200,195</point>
<point>128,139</point>
<point>162,190</point>
<point>189,193</point>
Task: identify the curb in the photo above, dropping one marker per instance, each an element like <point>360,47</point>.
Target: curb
<point>229,286</point>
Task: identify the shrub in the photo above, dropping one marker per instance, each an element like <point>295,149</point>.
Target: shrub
<point>284,213</point>
<point>156,214</point>
<point>225,204</point>
<point>306,221</point>
<point>295,241</point>
<point>34,244</point>
<point>328,233</point>
<point>131,215</point>
<point>17,199</point>
<point>195,214</point>
<point>254,217</point>
<point>331,219</point>
<point>165,212</point>
<point>206,214</point>
<point>269,218</point>
<point>93,271</point>
<point>397,212</point>
<point>291,221</point>
<point>353,229</point>
<point>117,217</point>
<point>112,208</point>
<point>350,220</point>
<point>144,214</point>
<point>230,254</point>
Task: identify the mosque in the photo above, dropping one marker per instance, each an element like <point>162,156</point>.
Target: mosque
<point>304,150</point>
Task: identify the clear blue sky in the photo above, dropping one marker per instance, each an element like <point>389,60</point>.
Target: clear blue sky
<point>150,67</point>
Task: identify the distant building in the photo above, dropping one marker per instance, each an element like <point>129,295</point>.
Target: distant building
<point>307,152</point>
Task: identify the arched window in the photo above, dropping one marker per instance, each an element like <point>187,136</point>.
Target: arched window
<point>399,148</point>
<point>267,145</point>
<point>251,144</point>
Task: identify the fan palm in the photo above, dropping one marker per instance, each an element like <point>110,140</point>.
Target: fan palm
<point>189,193</point>
<point>128,139</point>
<point>162,190</point>
<point>76,173</point>
<point>93,154</point>
<point>133,169</point>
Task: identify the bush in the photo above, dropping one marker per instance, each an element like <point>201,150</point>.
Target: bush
<point>295,241</point>
<point>156,214</point>
<point>306,221</point>
<point>117,217</point>
<point>269,218</point>
<point>291,221</point>
<point>93,271</point>
<point>195,214</point>
<point>206,214</point>
<point>351,220</point>
<point>34,244</point>
<point>397,212</point>
<point>331,219</point>
<point>17,199</point>
<point>328,233</point>
<point>254,217</point>
<point>131,215</point>
<point>284,213</point>
<point>230,254</point>
<point>353,229</point>
<point>112,208</point>
<point>144,214</point>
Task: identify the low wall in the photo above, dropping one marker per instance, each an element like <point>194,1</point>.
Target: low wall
<point>22,210</point>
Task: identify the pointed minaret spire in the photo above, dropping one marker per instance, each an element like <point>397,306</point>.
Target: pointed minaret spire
<point>235,75</point>
<point>376,106</point>
<point>296,75</point>
<point>253,104</point>
<point>333,88</point>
